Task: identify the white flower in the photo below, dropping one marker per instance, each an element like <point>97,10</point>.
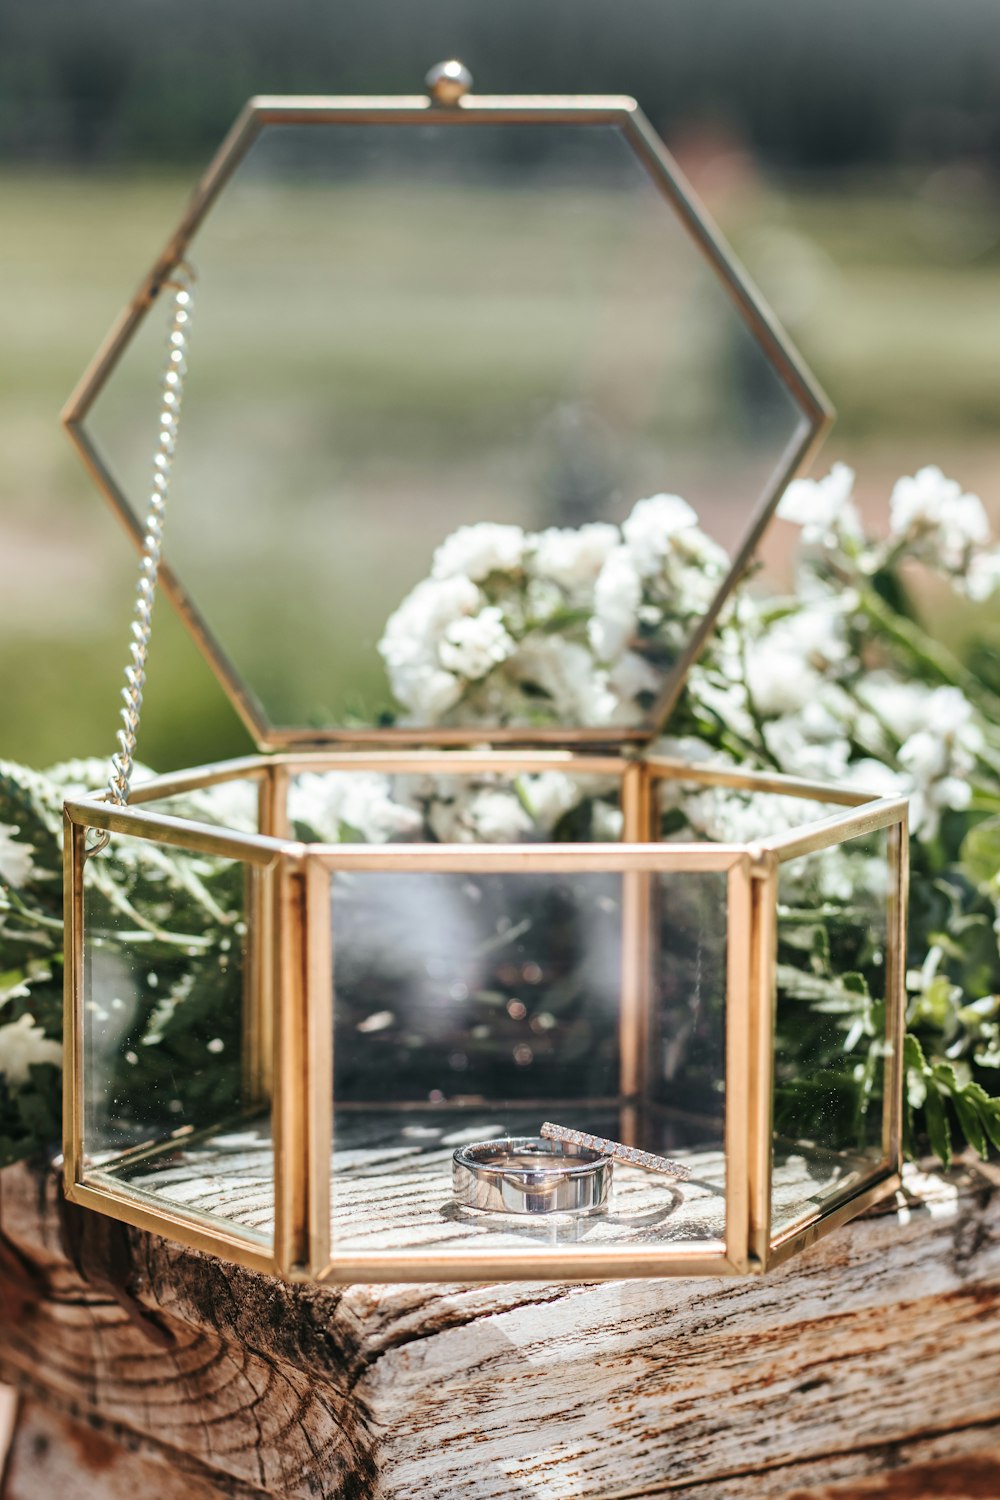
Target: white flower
<point>481,816</point>
<point>542,598</point>
<point>651,529</point>
<point>568,675</point>
<point>632,675</point>
<point>901,707</point>
<point>727,816</point>
<point>690,749</point>
<point>824,508</point>
<point>497,817</point>
<point>330,803</point>
<point>79,778</point>
<point>229,804</point>
<point>931,509</point>
<point>573,558</point>
<point>16,866</point>
<point>982,580</point>
<point>802,749</point>
<point>551,795</point>
<point>412,640</point>
<point>940,758</point>
<point>432,694</point>
<point>608,823</point>
<point>475,643</point>
<point>780,682</point>
<point>21,1044</point>
<point>704,563</point>
<point>724,701</point>
<point>417,626</point>
<point>786,667</point>
<point>617,596</point>
<point>477,551</point>
<point>874,776</point>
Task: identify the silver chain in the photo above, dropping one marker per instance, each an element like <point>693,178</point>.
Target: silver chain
<point>172,391</point>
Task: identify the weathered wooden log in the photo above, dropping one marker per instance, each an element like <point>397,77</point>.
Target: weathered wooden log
<point>869,1365</point>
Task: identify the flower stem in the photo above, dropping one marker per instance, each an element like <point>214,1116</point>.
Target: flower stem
<point>930,654</point>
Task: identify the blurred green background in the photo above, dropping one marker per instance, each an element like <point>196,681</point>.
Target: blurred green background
<point>851,153</point>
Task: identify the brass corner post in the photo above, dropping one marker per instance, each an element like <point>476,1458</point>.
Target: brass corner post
<point>302,1020</point>
<point>741,1004</point>
<point>763,998</point>
<point>319,1058</point>
<point>635,1020</point>
<point>895,992</point>
<point>290,1122</point>
<point>74,835</point>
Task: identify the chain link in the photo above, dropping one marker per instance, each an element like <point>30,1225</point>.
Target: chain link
<point>172,390</point>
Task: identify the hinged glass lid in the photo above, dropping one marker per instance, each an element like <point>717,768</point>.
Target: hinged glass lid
<point>422,315</point>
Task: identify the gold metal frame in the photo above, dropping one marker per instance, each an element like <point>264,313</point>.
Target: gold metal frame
<point>617,111</point>
<point>291,1002</point>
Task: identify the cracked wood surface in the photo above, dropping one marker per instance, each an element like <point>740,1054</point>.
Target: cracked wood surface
<point>870,1365</point>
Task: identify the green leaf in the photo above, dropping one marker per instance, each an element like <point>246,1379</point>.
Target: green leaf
<point>937,1126</point>
<point>913,1054</point>
<point>988,1108</point>
<point>980,852</point>
<point>892,591</point>
<point>972,1129</point>
<point>560,619</point>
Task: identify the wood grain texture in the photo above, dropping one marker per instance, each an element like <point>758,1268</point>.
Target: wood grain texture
<point>872,1357</point>
<point>54,1456</point>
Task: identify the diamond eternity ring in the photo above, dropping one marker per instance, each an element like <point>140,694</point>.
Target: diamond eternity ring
<point>630,1155</point>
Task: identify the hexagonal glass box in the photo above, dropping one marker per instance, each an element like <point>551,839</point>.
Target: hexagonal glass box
<point>458,360</point>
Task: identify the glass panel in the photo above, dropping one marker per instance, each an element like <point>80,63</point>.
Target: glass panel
<point>831,1040</point>
<point>232,804</point>
<point>169,1108</point>
<point>472,1007</point>
<point>370,807</point>
<point>685,1089</point>
<point>690,811</point>
<point>404,330</point>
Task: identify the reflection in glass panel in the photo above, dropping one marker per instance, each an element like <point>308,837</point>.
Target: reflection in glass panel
<point>403,330</point>
<point>233,804</point>
<point>688,1009</point>
<point>475,1006</point>
<point>831,1028</point>
<point>168,1108</point>
<point>496,807</point>
<point>731,814</point>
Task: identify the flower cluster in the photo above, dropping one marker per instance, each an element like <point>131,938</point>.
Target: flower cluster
<point>488,808</point>
<point>16,867</point>
<point>581,627</point>
<point>841,682</point>
<point>835,684</point>
<point>562,626</point>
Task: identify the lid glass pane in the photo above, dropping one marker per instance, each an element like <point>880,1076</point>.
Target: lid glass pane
<point>403,329</point>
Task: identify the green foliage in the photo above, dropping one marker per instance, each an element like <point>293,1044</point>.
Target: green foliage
<point>168,926</point>
<point>945,1098</point>
<point>167,929</point>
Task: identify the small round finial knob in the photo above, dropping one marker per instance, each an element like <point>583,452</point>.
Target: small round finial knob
<point>447,82</point>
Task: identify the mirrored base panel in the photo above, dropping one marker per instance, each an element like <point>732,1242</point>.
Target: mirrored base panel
<point>391,1183</point>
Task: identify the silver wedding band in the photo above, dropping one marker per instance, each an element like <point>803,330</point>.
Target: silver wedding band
<point>529,1175</point>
